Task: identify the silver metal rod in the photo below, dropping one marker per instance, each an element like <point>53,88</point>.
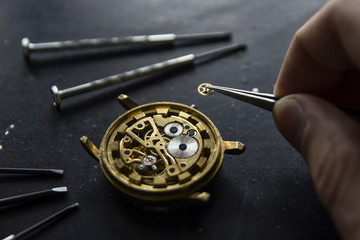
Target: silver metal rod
<point>29,47</point>
<point>55,172</point>
<point>265,95</point>
<point>32,196</point>
<point>50,219</point>
<point>58,95</point>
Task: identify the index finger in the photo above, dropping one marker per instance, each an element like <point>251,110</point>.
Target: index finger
<point>324,56</point>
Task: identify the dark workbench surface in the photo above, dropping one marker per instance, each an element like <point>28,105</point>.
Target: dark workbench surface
<point>265,193</point>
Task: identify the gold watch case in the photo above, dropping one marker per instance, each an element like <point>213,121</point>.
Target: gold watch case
<point>161,151</point>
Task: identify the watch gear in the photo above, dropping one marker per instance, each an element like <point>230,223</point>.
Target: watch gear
<point>173,129</point>
<point>182,146</point>
<point>204,90</point>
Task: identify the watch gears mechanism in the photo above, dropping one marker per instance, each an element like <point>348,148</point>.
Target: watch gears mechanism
<point>183,147</point>
<point>173,129</point>
<point>161,151</point>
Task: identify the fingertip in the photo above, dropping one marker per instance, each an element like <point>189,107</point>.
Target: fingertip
<point>290,119</point>
<point>278,91</point>
<point>307,121</point>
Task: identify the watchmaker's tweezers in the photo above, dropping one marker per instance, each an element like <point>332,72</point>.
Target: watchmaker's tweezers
<point>263,100</point>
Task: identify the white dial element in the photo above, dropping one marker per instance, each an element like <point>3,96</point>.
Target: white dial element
<point>183,146</point>
<point>173,129</point>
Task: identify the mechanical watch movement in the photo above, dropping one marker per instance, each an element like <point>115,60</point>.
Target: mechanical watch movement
<point>161,151</point>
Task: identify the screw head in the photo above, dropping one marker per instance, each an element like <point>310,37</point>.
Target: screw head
<point>25,43</point>
<point>56,96</point>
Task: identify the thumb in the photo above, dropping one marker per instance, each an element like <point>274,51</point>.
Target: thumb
<point>329,140</point>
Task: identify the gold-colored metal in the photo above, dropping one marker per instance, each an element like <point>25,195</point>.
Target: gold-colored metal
<point>200,196</point>
<point>161,151</point>
<point>126,102</point>
<point>234,147</point>
<point>204,90</point>
<point>90,147</point>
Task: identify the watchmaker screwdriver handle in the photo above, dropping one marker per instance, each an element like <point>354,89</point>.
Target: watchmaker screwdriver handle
<point>129,75</point>
<point>58,94</point>
<point>155,39</point>
<point>189,59</point>
<point>29,47</point>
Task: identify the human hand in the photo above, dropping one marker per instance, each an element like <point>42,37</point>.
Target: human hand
<point>322,69</point>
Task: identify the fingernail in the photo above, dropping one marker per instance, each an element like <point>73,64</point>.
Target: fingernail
<point>290,119</point>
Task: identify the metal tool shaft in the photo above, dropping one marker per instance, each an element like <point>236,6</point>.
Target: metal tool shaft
<point>54,172</point>
<point>50,219</point>
<point>29,47</point>
<point>32,196</point>
<point>265,101</point>
<point>59,95</point>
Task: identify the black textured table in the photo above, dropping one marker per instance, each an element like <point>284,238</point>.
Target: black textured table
<point>265,193</point>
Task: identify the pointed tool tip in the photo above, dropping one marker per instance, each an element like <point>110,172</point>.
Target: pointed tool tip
<point>12,236</point>
<point>75,205</point>
<point>60,189</point>
<point>57,171</point>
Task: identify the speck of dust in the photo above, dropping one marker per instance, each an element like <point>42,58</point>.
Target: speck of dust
<point>255,89</point>
<point>7,132</point>
<point>6,42</point>
<point>1,147</point>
